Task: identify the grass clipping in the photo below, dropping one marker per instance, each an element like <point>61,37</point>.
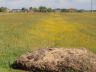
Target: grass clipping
<point>57,60</point>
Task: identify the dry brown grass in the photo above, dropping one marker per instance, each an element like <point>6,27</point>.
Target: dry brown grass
<point>57,60</point>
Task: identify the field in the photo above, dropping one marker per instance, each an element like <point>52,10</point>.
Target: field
<point>23,32</point>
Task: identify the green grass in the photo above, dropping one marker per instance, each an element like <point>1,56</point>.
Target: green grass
<point>22,32</point>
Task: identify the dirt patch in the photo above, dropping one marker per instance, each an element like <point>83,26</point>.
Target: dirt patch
<point>57,60</point>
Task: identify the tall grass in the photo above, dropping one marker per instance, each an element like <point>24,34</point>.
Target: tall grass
<point>23,32</point>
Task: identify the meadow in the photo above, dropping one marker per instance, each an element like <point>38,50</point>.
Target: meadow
<point>23,32</point>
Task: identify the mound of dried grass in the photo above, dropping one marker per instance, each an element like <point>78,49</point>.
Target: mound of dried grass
<point>57,60</point>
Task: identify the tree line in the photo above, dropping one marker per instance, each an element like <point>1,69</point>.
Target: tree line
<point>43,9</point>
<point>3,9</point>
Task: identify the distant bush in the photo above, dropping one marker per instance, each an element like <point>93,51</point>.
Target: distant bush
<point>3,9</point>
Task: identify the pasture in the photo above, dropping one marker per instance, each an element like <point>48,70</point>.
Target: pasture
<point>23,32</point>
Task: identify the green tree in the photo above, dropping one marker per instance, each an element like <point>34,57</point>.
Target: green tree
<point>49,10</point>
<point>42,9</point>
<point>64,10</point>
<point>35,10</point>
<point>81,10</point>
<point>3,9</point>
<point>24,10</point>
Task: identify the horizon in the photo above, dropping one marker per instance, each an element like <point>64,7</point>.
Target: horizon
<point>78,4</point>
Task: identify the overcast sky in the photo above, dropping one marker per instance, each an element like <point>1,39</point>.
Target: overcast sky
<point>80,4</point>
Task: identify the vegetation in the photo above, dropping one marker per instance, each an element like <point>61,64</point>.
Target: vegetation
<point>43,9</point>
<point>57,60</point>
<point>3,9</point>
<point>24,10</point>
<point>23,32</point>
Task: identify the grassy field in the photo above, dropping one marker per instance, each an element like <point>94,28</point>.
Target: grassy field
<point>23,32</point>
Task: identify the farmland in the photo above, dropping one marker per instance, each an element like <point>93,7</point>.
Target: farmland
<point>23,32</point>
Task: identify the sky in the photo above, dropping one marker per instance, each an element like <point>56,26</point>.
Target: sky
<point>79,4</point>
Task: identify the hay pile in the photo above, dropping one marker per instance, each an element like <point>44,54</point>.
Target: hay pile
<point>57,60</point>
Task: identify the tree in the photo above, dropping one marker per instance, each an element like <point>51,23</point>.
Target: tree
<point>81,10</point>
<point>30,8</point>
<point>64,10</point>
<point>49,10</point>
<point>3,9</point>
<point>24,10</point>
<point>42,9</point>
<point>35,10</point>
